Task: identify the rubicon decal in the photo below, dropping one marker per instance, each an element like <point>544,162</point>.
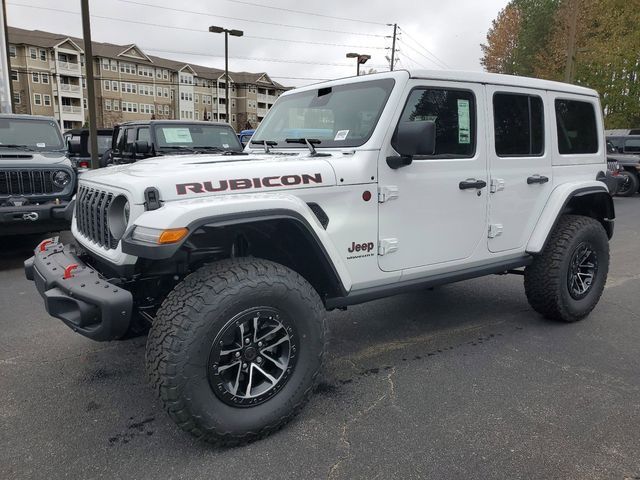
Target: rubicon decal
<point>248,183</point>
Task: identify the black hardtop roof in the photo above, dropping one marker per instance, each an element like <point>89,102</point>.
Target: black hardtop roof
<point>173,122</point>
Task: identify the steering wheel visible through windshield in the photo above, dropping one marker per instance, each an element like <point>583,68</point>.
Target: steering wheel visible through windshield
<point>339,116</point>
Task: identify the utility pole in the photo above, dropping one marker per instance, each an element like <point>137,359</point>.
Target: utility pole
<point>571,42</point>
<point>6,88</point>
<point>235,33</point>
<point>393,46</point>
<point>88,64</point>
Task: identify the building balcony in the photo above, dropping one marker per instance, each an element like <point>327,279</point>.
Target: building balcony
<point>71,109</point>
<point>262,98</point>
<point>271,98</point>
<point>68,68</point>
<point>65,87</point>
<point>262,112</point>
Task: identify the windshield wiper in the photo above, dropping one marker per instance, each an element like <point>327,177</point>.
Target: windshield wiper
<point>265,143</point>
<point>309,142</point>
<point>222,150</point>
<point>16,146</point>
<point>181,147</point>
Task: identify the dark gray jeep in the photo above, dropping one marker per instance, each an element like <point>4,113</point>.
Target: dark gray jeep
<point>37,180</point>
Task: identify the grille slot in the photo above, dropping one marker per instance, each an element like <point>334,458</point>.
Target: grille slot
<point>92,207</point>
<point>27,182</point>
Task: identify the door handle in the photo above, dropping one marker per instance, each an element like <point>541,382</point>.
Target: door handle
<point>472,183</point>
<point>537,179</point>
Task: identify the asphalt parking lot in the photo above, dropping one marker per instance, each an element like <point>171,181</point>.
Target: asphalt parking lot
<point>464,381</point>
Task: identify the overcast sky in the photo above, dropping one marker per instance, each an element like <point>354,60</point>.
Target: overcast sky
<point>435,34</point>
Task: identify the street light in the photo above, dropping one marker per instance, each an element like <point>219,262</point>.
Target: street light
<point>234,33</point>
<point>360,59</point>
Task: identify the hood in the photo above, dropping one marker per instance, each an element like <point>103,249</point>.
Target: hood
<point>22,158</point>
<point>194,176</point>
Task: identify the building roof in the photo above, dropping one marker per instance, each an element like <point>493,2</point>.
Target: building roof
<point>39,38</point>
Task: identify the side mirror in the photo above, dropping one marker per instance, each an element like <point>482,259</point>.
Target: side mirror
<point>413,138</point>
<point>141,147</point>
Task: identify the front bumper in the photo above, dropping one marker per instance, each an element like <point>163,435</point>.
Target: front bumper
<point>32,218</point>
<point>79,296</point>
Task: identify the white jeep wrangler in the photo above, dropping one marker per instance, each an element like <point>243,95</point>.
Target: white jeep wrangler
<point>351,190</point>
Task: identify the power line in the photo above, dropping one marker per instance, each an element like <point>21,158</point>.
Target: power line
<point>425,49</point>
<point>250,20</point>
<point>242,2</point>
<point>172,27</point>
<point>427,58</point>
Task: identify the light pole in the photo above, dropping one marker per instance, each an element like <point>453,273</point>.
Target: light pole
<point>360,59</point>
<point>235,33</point>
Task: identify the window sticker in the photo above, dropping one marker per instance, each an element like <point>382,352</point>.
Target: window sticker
<point>225,145</point>
<point>341,135</point>
<point>464,122</point>
<point>41,145</point>
<point>177,135</point>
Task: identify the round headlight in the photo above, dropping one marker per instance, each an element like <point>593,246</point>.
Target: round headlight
<point>61,178</point>
<point>118,216</point>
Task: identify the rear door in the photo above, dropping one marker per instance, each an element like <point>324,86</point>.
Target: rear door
<point>520,164</point>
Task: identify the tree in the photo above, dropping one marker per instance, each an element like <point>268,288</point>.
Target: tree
<point>499,52</point>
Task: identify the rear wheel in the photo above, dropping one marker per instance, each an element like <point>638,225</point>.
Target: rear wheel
<point>629,185</point>
<point>567,279</point>
<point>236,348</point>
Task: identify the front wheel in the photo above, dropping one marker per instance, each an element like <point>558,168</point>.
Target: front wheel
<point>236,348</point>
<point>567,279</point>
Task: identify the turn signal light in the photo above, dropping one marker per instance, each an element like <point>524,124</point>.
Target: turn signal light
<point>172,235</point>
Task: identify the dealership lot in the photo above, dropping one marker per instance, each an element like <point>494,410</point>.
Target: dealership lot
<point>464,381</point>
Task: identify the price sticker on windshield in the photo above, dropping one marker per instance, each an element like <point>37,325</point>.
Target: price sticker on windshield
<point>341,135</point>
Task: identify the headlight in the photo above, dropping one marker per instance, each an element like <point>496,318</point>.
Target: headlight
<point>61,178</point>
<point>118,216</point>
<point>158,236</point>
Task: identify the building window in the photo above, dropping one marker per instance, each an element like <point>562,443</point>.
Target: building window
<point>107,85</point>
<point>197,98</point>
<point>35,77</point>
<point>13,52</point>
<point>107,105</point>
<point>233,118</point>
<point>37,99</point>
<point>197,114</point>
<point>166,92</point>
<point>116,105</point>
<point>166,109</point>
<point>105,64</point>
<point>114,66</point>
<point>45,77</point>
<point>518,122</point>
<point>159,92</point>
<point>84,103</point>
<point>47,100</point>
<point>43,55</point>
<point>454,112</point>
<point>14,75</point>
<point>114,85</point>
<point>576,124</point>
<point>16,98</point>
<point>33,53</point>
<point>84,83</point>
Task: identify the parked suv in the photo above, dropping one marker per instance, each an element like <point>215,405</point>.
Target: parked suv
<point>134,141</point>
<point>410,180</point>
<point>79,146</point>
<point>37,180</point>
<point>625,149</point>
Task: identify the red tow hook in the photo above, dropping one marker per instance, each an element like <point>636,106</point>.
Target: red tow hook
<point>68,270</point>
<point>43,244</point>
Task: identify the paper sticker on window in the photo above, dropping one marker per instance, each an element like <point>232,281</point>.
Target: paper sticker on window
<point>177,135</point>
<point>341,135</point>
<point>40,145</point>
<point>225,145</point>
<point>464,122</point>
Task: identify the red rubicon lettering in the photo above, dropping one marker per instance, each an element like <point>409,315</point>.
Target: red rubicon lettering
<point>246,183</point>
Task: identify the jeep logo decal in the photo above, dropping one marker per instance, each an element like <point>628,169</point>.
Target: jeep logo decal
<point>360,247</point>
<point>248,183</point>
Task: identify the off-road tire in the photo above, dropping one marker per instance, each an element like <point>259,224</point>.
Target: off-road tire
<point>545,280</point>
<point>630,186</point>
<point>188,322</point>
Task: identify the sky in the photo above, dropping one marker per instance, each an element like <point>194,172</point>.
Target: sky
<point>301,48</point>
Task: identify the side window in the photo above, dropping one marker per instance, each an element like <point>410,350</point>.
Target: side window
<point>454,113</point>
<point>130,137</point>
<point>143,134</point>
<point>632,146</point>
<point>120,141</point>
<point>577,131</point>
<point>518,122</point>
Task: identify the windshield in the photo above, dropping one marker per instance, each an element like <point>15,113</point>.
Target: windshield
<point>338,116</point>
<point>43,135</point>
<point>218,137</point>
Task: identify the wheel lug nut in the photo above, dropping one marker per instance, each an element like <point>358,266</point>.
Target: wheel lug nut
<point>246,340</point>
<point>259,344</point>
<point>244,365</point>
<point>237,354</point>
<point>259,359</point>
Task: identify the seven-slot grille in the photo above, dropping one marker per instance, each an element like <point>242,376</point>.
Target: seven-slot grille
<point>27,182</point>
<point>92,219</point>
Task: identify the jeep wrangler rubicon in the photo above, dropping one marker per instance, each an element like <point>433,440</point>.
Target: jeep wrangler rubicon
<point>37,180</point>
<point>351,190</point>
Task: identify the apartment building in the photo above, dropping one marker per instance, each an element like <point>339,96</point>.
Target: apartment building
<point>48,78</point>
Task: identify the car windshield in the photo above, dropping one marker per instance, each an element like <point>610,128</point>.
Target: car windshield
<point>338,116</point>
<point>40,135</point>
<point>214,137</point>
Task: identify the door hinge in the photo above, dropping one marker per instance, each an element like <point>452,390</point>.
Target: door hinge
<point>495,230</point>
<point>497,184</point>
<point>388,192</point>
<point>387,246</point>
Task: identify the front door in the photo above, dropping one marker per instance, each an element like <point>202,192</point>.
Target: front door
<point>519,164</point>
<point>435,209</point>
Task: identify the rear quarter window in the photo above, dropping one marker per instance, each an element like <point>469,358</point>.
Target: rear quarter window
<point>577,129</point>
